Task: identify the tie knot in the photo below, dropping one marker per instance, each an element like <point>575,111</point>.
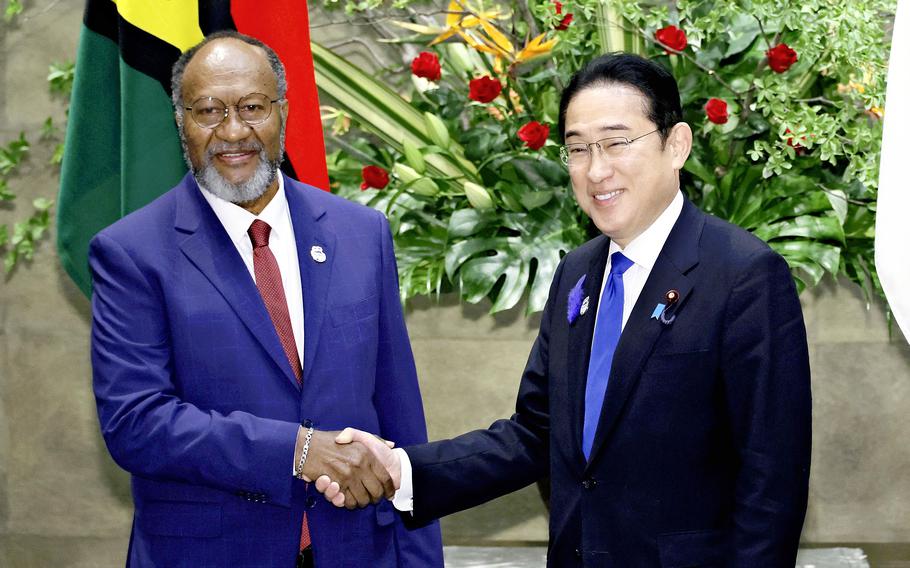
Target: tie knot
<point>259,233</point>
<point>619,263</point>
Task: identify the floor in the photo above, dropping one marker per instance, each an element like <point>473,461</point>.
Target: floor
<point>884,556</point>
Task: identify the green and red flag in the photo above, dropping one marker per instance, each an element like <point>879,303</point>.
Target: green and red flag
<point>122,148</point>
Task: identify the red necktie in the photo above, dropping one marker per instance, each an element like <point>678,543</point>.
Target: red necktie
<point>268,280</point>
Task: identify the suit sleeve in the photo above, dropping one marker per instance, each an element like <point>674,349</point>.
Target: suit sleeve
<point>457,474</point>
<point>148,429</point>
<point>766,377</point>
<point>398,403</point>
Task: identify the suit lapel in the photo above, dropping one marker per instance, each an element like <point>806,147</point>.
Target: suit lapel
<point>580,334</point>
<point>210,249</point>
<point>641,333</point>
<point>310,230</point>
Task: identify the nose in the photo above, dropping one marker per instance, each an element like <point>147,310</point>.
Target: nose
<point>233,128</point>
<point>600,166</point>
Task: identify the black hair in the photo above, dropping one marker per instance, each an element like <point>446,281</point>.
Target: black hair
<point>180,66</point>
<point>654,82</point>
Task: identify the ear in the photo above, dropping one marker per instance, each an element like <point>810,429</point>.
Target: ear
<point>679,144</point>
<point>284,110</point>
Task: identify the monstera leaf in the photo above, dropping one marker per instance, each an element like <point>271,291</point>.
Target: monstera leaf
<point>503,267</point>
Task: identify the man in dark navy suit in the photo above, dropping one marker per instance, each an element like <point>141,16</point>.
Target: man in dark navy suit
<point>667,394</point>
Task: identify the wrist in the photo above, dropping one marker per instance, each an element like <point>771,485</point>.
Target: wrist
<point>304,437</point>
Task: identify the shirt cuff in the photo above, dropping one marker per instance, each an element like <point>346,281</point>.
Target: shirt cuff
<point>404,497</point>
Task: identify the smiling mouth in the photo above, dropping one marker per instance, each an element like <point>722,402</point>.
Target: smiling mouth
<point>604,197</point>
<point>235,157</point>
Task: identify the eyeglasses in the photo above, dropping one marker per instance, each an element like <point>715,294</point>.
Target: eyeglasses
<point>253,109</point>
<point>579,154</point>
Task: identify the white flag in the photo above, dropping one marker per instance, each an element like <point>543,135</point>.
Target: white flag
<point>892,222</point>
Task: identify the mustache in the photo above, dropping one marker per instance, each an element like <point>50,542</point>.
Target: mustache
<point>225,148</point>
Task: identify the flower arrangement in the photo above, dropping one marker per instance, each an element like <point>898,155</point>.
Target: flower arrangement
<point>785,100</point>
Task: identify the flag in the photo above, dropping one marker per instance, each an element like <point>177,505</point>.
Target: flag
<point>892,231</point>
<point>122,148</point>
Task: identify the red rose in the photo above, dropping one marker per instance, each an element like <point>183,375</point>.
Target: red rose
<point>672,37</point>
<point>800,149</point>
<point>484,89</point>
<point>716,109</point>
<point>426,65</point>
<point>558,5</point>
<point>781,57</point>
<point>374,176</point>
<point>534,134</point>
<point>564,22</point>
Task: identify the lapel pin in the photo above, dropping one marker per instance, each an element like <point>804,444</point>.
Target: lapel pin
<point>666,314</point>
<point>317,253</point>
<point>658,309</point>
<point>575,306</point>
<point>584,306</point>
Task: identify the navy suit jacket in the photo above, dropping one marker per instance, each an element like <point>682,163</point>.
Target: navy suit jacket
<point>701,456</point>
<point>197,400</point>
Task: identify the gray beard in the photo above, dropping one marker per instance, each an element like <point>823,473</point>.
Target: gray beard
<point>239,193</point>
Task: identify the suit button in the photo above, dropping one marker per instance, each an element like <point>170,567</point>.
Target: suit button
<point>311,501</point>
<point>577,553</point>
<point>589,483</point>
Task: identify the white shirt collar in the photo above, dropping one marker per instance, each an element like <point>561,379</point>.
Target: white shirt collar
<point>237,220</point>
<point>644,249</point>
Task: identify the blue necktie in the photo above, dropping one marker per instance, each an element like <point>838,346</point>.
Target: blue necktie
<point>606,337</point>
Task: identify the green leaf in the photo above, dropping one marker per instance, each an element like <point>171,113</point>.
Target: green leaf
<point>812,227</point>
<point>535,199</point>
<point>57,157</point>
<point>5,193</point>
<point>13,9</point>
<point>4,235</point>
<point>12,154</point>
<point>838,200</point>
<point>49,129</point>
<point>60,77</point>
<point>466,222</point>
<point>9,261</point>
<point>413,156</point>
<point>803,250</point>
<point>744,32</point>
<point>42,204</point>
<point>479,275</point>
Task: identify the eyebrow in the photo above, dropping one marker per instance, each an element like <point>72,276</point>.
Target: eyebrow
<point>604,128</point>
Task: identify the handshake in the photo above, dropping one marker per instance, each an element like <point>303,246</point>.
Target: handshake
<point>351,468</point>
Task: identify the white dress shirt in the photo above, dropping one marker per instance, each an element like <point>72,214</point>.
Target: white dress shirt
<point>237,220</point>
<point>643,251</point>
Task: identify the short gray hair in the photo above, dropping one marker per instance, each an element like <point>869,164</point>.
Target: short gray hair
<point>180,66</point>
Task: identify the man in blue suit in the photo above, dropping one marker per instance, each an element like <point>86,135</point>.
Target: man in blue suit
<point>237,319</point>
<point>667,395</point>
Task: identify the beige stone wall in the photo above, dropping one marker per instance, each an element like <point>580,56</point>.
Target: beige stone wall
<point>64,502</point>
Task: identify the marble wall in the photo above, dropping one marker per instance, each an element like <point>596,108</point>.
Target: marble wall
<point>64,502</point>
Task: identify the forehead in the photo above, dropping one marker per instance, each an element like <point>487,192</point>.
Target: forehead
<point>228,69</point>
<point>608,108</point>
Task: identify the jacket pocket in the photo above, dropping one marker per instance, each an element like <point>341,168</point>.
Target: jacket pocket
<point>693,549</point>
<point>174,518</point>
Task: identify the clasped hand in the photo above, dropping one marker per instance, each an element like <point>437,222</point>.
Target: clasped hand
<point>353,468</point>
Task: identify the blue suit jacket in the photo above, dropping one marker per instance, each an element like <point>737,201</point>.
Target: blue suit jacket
<point>197,399</point>
<point>701,456</point>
